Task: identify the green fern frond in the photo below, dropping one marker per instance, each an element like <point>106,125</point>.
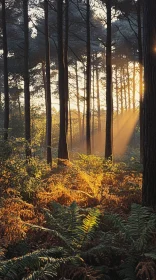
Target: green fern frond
<point>87,230</point>
<point>85,272</point>
<point>138,220</point>
<point>120,225</point>
<point>53,232</point>
<point>11,269</point>
<point>127,269</point>
<point>45,273</point>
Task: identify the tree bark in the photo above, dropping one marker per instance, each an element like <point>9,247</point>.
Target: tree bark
<point>109,98</point>
<point>149,127</point>
<point>121,90</point>
<point>26,79</point>
<point>70,123</point>
<point>66,60</point>
<point>88,87</point>
<point>117,91</point>
<point>62,149</point>
<point>124,86</point>
<point>98,98</point>
<point>6,86</point>
<point>128,88</point>
<point>84,106</point>
<point>140,54</point>
<point>134,86</point>
<point>48,87</point>
<point>78,100</point>
<point>93,115</point>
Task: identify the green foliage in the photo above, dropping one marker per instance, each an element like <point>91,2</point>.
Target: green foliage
<point>5,150</point>
<point>90,163</point>
<point>15,173</point>
<point>132,239</point>
<point>75,229</point>
<point>91,246</point>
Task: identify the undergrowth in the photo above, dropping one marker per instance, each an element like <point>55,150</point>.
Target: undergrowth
<point>89,244</point>
<point>42,231</point>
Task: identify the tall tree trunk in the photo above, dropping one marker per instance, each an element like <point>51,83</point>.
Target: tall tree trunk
<point>70,123</point>
<point>48,88</point>
<point>84,105</point>
<point>98,97</point>
<point>109,98</point>
<point>62,149</point>
<point>66,60</point>
<point>121,90</point>
<point>44,82</point>
<point>93,116</point>
<point>19,107</point>
<point>124,86</point>
<point>6,87</point>
<point>149,127</point>
<point>78,100</point>
<point>134,86</point>
<point>45,90</point>
<point>140,48</point>
<point>117,89</point>
<point>88,88</point>
<point>128,88</point>
<point>0,102</point>
<point>26,79</point>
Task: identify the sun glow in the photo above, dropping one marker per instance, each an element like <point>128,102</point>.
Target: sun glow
<point>123,128</point>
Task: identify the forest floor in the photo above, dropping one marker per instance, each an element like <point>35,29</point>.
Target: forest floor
<point>68,205</point>
<point>89,181</point>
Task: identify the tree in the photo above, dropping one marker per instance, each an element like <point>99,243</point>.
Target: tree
<point>66,60</point>
<point>109,98</point>
<point>62,149</point>
<point>6,87</point>
<point>48,89</point>
<point>78,99</point>
<point>140,55</point>
<point>88,87</point>
<point>149,127</point>
<point>26,78</point>
<point>98,97</point>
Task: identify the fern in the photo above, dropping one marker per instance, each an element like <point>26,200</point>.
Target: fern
<point>12,269</point>
<point>52,232</point>
<point>127,269</point>
<point>73,227</point>
<point>88,250</point>
<point>87,230</point>
<point>134,237</point>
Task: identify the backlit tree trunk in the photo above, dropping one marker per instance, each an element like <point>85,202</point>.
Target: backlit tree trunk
<point>134,86</point>
<point>109,98</point>
<point>140,54</point>
<point>26,78</point>
<point>98,97</point>
<point>149,124</point>
<point>70,126</point>
<point>124,87</point>
<point>88,88</point>
<point>47,86</point>
<point>78,100</point>
<point>117,91</point>
<point>121,91</point>
<point>128,88</point>
<point>66,60</point>
<point>62,149</point>
<point>6,87</point>
<point>84,106</point>
<point>93,115</point>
